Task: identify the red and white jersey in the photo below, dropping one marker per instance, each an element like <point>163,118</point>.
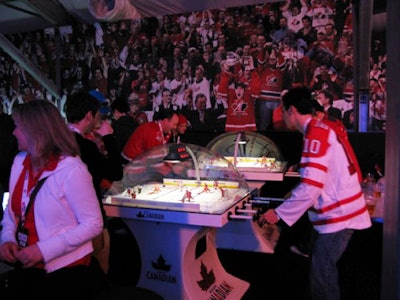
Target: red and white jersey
<point>294,22</point>
<point>271,84</point>
<point>330,189</point>
<point>240,114</point>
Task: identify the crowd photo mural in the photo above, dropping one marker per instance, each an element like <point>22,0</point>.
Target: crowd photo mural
<point>223,69</point>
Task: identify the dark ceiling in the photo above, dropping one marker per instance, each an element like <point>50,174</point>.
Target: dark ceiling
<point>31,15</point>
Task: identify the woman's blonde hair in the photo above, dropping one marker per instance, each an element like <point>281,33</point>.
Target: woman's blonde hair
<point>46,132</point>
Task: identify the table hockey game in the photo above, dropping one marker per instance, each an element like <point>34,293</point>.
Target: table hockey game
<point>259,160</point>
<point>175,222</point>
<point>259,168</point>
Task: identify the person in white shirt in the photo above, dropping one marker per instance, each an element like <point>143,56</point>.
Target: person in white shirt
<point>48,234</point>
<point>329,190</point>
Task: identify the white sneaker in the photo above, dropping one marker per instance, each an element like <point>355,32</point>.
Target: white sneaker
<point>297,251</point>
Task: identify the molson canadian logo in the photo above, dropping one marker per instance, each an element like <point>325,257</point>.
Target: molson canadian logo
<point>161,271</point>
<point>149,215</point>
<point>207,283</point>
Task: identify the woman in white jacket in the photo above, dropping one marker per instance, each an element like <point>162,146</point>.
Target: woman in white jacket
<point>49,237</point>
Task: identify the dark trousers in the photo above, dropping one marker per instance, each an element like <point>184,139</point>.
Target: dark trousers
<point>80,282</point>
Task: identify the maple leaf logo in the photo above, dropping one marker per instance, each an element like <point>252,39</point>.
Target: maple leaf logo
<point>208,278</point>
<point>160,264</point>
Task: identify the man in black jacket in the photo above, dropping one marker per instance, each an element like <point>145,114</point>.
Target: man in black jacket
<point>83,116</point>
<point>203,119</point>
<point>8,149</point>
<point>325,99</point>
<point>123,124</point>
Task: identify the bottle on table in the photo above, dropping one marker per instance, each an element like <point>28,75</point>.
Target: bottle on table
<point>368,187</point>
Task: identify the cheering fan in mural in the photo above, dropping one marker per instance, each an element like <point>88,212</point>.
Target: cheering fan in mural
<point>240,113</point>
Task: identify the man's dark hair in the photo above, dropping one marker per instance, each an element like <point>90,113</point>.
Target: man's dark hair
<point>120,104</point>
<point>198,96</point>
<point>166,114</point>
<point>79,104</point>
<point>301,98</point>
<point>327,95</point>
<point>317,106</point>
<point>240,84</point>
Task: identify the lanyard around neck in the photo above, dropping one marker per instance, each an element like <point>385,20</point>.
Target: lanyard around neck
<point>31,199</point>
<point>164,140</point>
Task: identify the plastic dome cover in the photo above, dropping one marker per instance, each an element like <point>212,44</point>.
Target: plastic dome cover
<point>253,154</point>
<point>162,178</point>
<point>254,145</point>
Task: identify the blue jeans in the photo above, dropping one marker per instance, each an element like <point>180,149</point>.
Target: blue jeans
<point>324,276</point>
<point>265,109</point>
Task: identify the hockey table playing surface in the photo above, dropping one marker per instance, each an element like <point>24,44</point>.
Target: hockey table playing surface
<point>175,224</point>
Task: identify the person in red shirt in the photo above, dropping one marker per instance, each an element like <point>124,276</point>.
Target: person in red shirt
<point>240,113</point>
<point>278,123</point>
<point>271,83</point>
<point>151,134</point>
